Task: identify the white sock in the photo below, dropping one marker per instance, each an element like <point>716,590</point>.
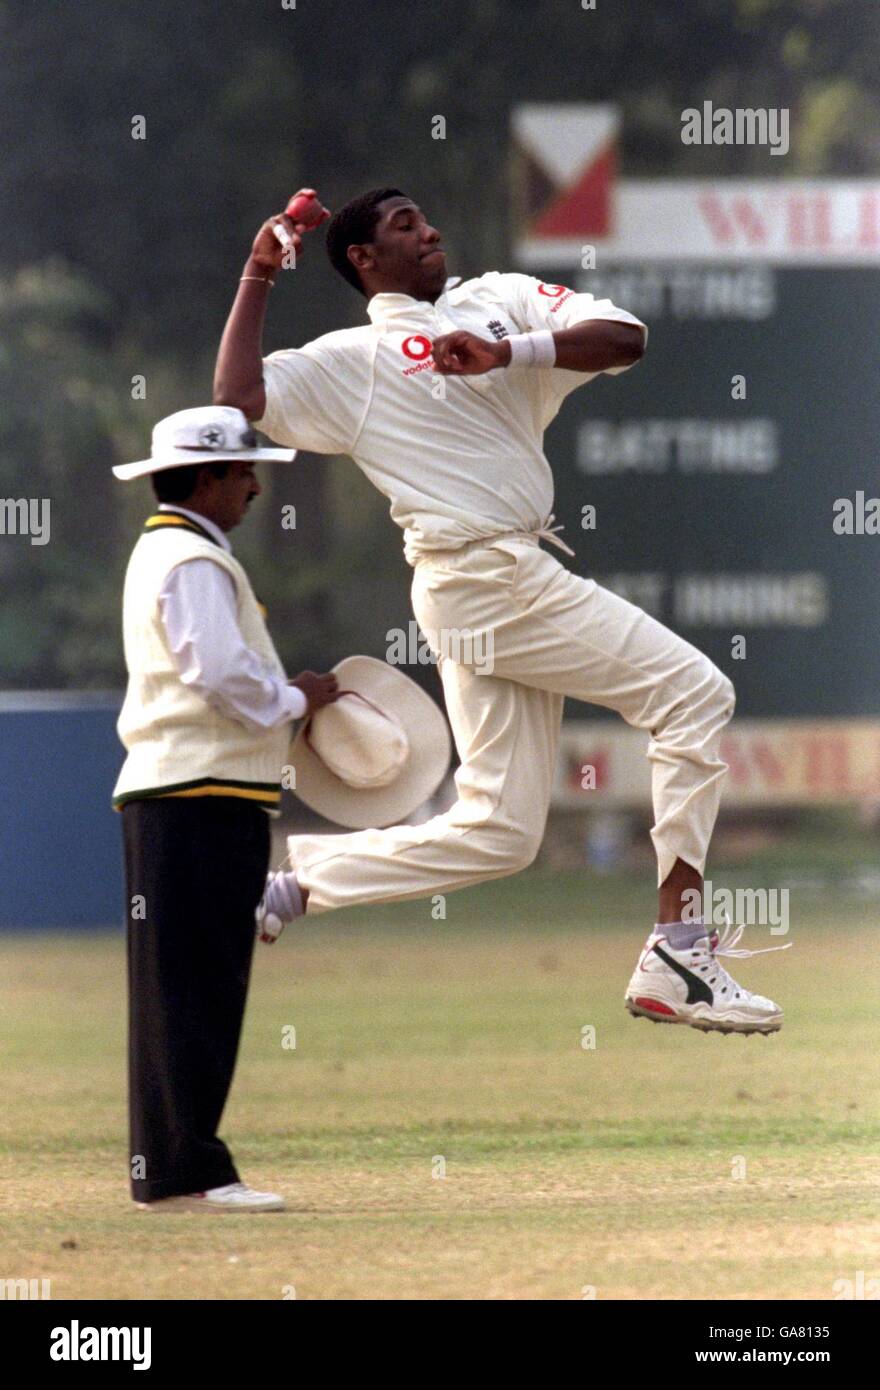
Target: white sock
<point>681,935</point>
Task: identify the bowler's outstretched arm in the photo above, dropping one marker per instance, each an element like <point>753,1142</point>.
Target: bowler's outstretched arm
<point>238,375</point>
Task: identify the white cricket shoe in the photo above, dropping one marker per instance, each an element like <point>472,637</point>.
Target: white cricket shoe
<point>691,986</point>
<point>234,1197</point>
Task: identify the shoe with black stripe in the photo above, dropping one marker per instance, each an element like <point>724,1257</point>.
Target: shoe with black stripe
<point>692,986</point>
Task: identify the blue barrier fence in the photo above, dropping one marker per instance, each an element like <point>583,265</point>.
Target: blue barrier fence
<point>60,841</point>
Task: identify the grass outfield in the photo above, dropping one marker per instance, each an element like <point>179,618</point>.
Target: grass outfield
<point>417,1040</point>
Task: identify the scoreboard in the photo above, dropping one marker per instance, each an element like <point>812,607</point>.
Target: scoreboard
<point>729,482</point>
<point>718,465</point>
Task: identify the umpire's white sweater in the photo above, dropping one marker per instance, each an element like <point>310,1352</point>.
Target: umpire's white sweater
<point>177,743</point>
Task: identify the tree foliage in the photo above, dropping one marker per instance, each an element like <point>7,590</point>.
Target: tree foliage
<point>119,255</point>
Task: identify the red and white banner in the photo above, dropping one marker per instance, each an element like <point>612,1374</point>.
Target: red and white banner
<point>772,762</point>
<point>566,164</point>
<point>567,198</point>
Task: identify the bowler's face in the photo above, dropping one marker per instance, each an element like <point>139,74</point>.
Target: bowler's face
<point>406,250</point>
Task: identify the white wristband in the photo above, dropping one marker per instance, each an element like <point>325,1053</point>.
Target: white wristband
<point>533,349</point>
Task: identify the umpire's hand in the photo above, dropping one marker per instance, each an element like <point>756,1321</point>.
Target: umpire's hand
<point>318,690</point>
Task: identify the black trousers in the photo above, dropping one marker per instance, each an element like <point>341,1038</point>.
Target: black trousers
<point>195,870</point>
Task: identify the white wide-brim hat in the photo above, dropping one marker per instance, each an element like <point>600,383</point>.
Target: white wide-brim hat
<point>204,434</point>
<point>376,754</point>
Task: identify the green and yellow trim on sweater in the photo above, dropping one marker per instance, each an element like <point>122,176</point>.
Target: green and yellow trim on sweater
<point>262,793</point>
<point>162,521</point>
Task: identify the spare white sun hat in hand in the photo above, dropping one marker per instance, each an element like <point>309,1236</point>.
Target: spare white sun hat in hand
<point>204,434</point>
<point>376,754</point>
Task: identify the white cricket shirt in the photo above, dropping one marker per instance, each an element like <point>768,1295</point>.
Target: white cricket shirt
<point>459,458</point>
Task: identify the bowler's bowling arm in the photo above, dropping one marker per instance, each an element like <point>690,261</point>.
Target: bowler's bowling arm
<point>238,374</point>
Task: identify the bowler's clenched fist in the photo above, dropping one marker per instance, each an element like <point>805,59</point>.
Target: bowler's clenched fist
<point>464,354</point>
<point>267,249</point>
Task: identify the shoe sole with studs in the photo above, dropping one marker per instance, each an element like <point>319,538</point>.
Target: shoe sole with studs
<point>656,1012</point>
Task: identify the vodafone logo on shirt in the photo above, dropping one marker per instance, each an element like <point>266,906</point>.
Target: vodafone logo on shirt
<point>558,292</point>
<point>419,349</point>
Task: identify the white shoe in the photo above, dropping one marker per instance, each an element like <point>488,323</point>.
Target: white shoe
<point>235,1196</point>
<point>691,986</point>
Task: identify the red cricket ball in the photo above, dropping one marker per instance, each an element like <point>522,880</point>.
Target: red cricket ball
<point>304,207</point>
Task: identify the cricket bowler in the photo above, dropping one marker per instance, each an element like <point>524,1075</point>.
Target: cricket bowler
<point>442,399</point>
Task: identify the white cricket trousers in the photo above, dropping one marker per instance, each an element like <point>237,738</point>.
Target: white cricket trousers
<point>549,634</point>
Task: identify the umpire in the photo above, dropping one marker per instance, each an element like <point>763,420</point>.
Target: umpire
<point>206,725</point>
